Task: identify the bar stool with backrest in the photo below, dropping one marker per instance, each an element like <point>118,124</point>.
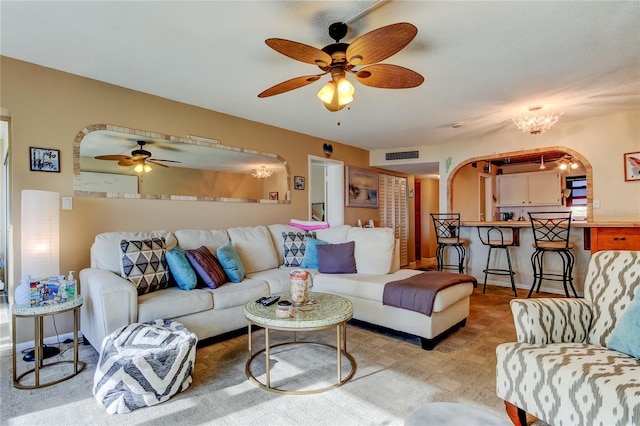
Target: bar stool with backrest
<point>551,232</point>
<point>494,239</point>
<point>447,227</point>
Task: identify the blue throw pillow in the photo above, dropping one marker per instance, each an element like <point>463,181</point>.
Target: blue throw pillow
<point>231,262</point>
<point>310,258</point>
<point>181,269</point>
<point>625,337</point>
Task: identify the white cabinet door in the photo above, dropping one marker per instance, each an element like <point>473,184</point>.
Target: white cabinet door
<point>544,189</point>
<point>529,189</point>
<point>512,190</point>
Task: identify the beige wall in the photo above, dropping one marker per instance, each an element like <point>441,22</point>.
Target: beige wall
<point>601,140</point>
<point>48,108</point>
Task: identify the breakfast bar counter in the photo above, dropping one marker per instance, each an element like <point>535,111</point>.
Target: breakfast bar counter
<point>588,237</point>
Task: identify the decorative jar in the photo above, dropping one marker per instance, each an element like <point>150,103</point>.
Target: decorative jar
<point>299,286</point>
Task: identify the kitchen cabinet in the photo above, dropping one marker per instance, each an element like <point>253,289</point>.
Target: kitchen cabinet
<point>529,189</point>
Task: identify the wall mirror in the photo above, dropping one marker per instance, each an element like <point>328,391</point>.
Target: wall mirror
<point>111,161</point>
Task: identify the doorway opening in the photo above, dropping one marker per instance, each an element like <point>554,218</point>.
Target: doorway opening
<point>326,190</point>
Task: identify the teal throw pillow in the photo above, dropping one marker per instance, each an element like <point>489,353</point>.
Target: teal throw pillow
<point>231,262</point>
<point>181,269</point>
<point>310,258</point>
<point>625,337</point>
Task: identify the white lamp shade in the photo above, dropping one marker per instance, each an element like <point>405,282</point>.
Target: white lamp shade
<point>40,233</point>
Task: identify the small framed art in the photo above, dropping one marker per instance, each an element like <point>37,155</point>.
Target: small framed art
<point>361,188</point>
<point>44,160</point>
<point>273,195</point>
<point>632,166</point>
<point>298,182</point>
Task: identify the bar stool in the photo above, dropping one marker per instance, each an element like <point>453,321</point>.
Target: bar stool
<point>447,227</point>
<point>551,234</point>
<point>494,239</point>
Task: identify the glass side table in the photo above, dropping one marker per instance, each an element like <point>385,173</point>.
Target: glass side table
<point>38,313</point>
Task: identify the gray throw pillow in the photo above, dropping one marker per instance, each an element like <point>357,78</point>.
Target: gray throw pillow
<point>337,258</point>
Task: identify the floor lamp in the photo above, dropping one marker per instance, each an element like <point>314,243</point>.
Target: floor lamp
<point>40,241</point>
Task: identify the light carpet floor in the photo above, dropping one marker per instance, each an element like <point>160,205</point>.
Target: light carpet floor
<point>394,376</point>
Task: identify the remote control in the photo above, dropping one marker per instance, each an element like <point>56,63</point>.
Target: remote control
<point>270,300</point>
<point>261,299</point>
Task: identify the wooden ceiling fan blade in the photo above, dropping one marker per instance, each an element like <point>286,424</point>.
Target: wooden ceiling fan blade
<point>294,83</point>
<point>389,76</point>
<point>168,161</point>
<point>300,52</point>
<point>156,163</point>
<point>380,44</point>
<point>111,157</point>
<point>126,162</point>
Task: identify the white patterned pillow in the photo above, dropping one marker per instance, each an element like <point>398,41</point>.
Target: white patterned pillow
<point>294,245</point>
<point>144,264</point>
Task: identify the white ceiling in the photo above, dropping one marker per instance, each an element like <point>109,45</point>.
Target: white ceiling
<point>483,62</point>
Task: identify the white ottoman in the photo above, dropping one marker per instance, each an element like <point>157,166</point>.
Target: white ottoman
<point>451,413</point>
<point>144,364</point>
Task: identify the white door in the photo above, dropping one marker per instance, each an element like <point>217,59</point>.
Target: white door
<point>394,210</point>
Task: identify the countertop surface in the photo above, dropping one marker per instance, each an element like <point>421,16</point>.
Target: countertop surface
<point>527,224</point>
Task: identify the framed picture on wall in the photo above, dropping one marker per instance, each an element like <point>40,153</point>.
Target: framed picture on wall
<point>361,188</point>
<point>298,182</point>
<point>44,160</point>
<point>632,166</point>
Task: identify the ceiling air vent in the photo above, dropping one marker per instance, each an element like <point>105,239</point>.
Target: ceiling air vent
<point>405,155</point>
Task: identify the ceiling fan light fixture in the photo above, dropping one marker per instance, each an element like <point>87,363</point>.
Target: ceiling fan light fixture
<point>326,93</point>
<point>142,167</point>
<point>534,123</point>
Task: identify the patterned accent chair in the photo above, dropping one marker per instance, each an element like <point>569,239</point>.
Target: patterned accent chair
<point>560,370</point>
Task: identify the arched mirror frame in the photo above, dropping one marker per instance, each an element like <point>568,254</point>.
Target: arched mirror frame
<point>540,151</point>
<point>147,134</point>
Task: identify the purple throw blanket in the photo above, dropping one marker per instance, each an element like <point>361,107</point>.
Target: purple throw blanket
<point>418,293</point>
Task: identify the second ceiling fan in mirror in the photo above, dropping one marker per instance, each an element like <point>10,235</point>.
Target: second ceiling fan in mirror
<point>138,158</point>
<point>338,59</point>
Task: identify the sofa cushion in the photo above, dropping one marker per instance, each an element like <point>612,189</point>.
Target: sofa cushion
<point>255,247</point>
<point>173,303</point>
<point>195,238</point>
<point>144,264</point>
<point>373,249</point>
<point>626,336</point>
<point>106,253</point>
<point>366,286</point>
<point>333,235</point>
<point>278,279</point>
<point>293,248</point>
<point>231,295</point>
<point>336,258</point>
<point>181,269</point>
<point>310,258</point>
<point>231,262</point>
<point>207,267</point>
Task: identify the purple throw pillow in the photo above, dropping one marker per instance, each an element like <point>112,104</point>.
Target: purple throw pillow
<point>337,258</point>
<point>207,267</point>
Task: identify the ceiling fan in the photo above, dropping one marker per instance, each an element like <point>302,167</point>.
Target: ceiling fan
<point>138,158</point>
<point>342,58</point>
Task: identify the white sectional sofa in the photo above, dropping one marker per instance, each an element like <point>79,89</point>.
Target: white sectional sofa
<point>111,301</point>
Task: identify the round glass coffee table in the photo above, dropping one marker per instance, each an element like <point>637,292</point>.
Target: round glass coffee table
<point>329,311</point>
